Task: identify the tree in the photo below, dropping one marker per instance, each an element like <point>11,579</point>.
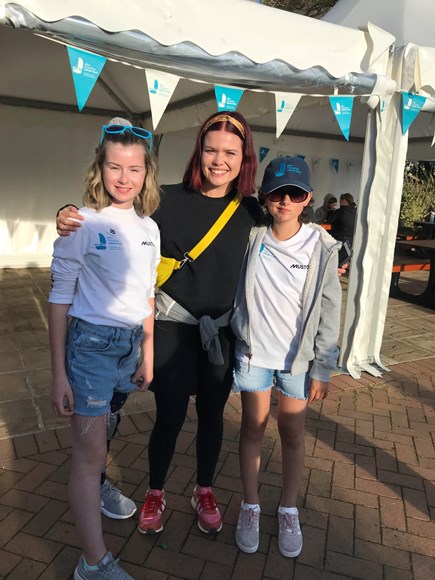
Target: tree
<point>313,8</point>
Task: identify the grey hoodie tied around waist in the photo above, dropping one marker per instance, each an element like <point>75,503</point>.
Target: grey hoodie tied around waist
<point>168,309</point>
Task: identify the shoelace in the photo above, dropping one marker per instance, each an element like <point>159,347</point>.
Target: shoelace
<point>152,504</point>
<point>112,492</point>
<point>289,523</point>
<point>206,501</point>
<point>115,572</point>
<point>250,518</point>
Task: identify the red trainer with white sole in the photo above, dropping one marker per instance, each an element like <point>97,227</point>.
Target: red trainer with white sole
<point>204,503</point>
<point>151,514</point>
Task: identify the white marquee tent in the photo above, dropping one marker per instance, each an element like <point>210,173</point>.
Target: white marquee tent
<point>46,143</point>
<point>386,149</point>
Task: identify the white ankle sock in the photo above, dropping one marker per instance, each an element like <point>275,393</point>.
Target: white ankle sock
<point>251,506</point>
<point>286,510</point>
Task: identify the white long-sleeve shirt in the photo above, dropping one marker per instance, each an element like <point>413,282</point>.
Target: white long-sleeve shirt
<point>106,269</point>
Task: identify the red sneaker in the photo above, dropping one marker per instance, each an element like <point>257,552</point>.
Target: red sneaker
<point>150,518</point>
<point>204,503</point>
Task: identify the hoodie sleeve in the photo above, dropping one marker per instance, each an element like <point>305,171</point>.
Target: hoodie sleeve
<point>325,342</point>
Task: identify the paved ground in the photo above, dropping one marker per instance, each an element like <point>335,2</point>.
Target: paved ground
<point>367,500</point>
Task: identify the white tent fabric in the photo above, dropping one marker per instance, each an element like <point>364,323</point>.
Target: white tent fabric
<point>382,175</point>
<point>234,25</point>
<point>410,21</point>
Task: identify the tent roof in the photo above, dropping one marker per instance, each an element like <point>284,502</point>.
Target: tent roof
<point>248,28</point>
<point>411,22</point>
<point>408,20</point>
<point>190,39</point>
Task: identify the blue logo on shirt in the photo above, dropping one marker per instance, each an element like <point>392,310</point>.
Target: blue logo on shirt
<point>103,243</point>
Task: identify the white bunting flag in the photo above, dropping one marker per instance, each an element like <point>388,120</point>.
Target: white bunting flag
<point>161,86</point>
<point>286,103</point>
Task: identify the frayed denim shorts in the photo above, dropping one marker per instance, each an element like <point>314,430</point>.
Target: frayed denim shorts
<point>100,360</point>
<point>252,379</point>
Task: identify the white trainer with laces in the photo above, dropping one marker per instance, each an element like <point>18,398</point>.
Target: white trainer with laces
<point>290,535</point>
<point>248,529</point>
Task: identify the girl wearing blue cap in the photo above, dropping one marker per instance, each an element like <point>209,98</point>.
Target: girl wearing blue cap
<point>286,322</point>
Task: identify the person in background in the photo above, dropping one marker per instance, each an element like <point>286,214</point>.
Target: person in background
<point>322,211</point>
<point>286,321</point>
<point>309,211</point>
<point>332,206</point>
<point>343,220</point>
<point>103,279</point>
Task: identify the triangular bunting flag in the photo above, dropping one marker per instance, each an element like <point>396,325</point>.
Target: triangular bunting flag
<point>227,98</point>
<point>342,107</point>
<point>286,103</point>
<point>86,68</point>
<point>335,164</point>
<point>411,106</point>
<point>263,153</point>
<point>433,140</point>
<point>161,87</point>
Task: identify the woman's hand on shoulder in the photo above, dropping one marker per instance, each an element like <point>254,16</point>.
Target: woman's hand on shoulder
<point>318,390</point>
<point>68,220</point>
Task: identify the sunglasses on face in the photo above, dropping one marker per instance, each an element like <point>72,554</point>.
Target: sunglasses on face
<point>119,129</point>
<point>296,195</point>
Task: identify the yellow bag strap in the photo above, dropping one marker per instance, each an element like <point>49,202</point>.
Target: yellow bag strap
<point>215,229</point>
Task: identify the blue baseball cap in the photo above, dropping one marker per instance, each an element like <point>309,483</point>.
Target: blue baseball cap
<point>284,172</point>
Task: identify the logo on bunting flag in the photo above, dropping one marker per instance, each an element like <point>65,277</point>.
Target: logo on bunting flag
<point>342,107</point>
<point>411,106</point>
<point>227,98</point>
<point>161,87</point>
<point>286,103</point>
<point>86,68</point>
<point>263,153</point>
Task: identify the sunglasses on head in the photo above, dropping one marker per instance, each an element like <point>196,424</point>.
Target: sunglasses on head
<point>119,129</point>
<point>296,195</point>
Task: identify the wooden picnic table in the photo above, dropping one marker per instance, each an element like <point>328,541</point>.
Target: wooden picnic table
<point>427,298</point>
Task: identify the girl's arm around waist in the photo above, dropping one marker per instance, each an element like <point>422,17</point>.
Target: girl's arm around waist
<point>144,372</point>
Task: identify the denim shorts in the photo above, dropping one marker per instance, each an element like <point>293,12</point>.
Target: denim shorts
<point>100,360</point>
<point>255,379</point>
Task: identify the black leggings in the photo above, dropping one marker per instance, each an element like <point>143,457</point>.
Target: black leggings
<point>181,368</point>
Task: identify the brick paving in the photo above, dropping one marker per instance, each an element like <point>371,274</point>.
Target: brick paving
<point>367,498</point>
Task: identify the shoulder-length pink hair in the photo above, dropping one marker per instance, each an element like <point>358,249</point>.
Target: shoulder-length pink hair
<point>245,182</point>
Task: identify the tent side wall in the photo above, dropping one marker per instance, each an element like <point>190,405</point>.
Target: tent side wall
<point>44,157</point>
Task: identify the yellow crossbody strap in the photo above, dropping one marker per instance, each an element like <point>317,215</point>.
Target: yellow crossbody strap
<point>167,265</point>
<point>215,229</point>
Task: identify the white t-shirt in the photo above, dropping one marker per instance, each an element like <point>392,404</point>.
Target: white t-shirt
<point>276,316</point>
<point>106,269</point>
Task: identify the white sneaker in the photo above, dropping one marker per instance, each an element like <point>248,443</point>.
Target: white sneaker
<point>248,529</point>
<point>290,535</point>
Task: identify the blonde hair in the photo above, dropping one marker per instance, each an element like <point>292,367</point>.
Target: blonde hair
<point>96,195</point>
